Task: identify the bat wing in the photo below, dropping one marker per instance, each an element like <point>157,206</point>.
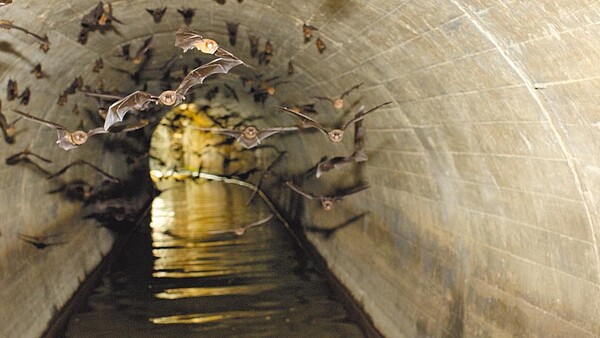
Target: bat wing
<point>307,122</point>
<point>96,131</point>
<point>259,222</point>
<point>322,98</point>
<point>334,163</point>
<point>124,128</point>
<point>137,101</point>
<point>349,192</point>
<point>263,134</point>
<point>37,119</point>
<point>350,90</point>
<point>186,39</point>
<point>248,143</point>
<point>361,114</point>
<point>145,47</point>
<point>198,75</point>
<point>220,52</point>
<point>296,189</point>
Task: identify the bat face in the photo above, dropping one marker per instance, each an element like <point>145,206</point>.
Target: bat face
<point>327,203</point>
<point>169,97</point>
<point>12,90</point>
<point>320,45</point>
<point>250,132</point>
<point>338,103</point>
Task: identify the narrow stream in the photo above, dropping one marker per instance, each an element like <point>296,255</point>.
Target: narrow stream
<point>186,278</point>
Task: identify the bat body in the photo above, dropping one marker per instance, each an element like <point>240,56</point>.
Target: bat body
<point>232,29</point>
<point>12,90</point>
<point>38,72</point>
<point>68,140</point>
<point>44,42</point>
<point>336,134</point>
<point>338,102</point>
<point>98,64</point>
<point>142,52</point>
<point>267,55</point>
<point>320,45</point>
<point>230,92</point>
<point>188,14</point>
<point>157,13</point>
<point>326,201</point>
<point>249,137</point>
<point>307,31</point>
<point>25,96</point>
<point>290,69</point>
<point>239,231</point>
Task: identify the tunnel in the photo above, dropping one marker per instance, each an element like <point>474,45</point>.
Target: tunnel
<point>483,171</point>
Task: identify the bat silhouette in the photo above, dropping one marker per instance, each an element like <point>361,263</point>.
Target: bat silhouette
<point>254,40</point>
<point>125,52</point>
<point>83,162</point>
<point>138,101</point>
<point>25,95</point>
<point>359,154</point>
<point>250,136</point>
<point>326,201</point>
<point>239,231</point>
<point>188,14</point>
<point>40,242</point>
<point>8,129</point>
<point>320,45</point>
<point>142,52</point>
<point>290,69</point>
<point>338,102</point>
<point>267,55</point>
<point>232,29</point>
<point>38,72</point>
<point>336,134</point>
<point>328,232</point>
<point>44,42</point>
<point>197,76</point>
<point>187,39</point>
<point>12,90</point>
<point>5,2</point>
<point>157,13</point>
<point>98,64</point>
<point>307,31</point>
<point>68,140</point>
<point>230,92</point>
<point>16,158</point>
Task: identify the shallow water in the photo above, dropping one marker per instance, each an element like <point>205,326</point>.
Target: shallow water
<point>185,279</point>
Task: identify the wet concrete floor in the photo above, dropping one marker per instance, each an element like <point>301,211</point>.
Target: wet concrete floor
<point>184,277</point>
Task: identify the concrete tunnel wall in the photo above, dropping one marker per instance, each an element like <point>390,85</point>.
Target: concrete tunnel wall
<point>484,172</point>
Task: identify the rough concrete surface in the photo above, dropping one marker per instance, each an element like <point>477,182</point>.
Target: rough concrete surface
<point>484,172</point>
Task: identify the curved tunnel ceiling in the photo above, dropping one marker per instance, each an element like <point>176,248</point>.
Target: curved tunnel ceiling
<point>484,171</point>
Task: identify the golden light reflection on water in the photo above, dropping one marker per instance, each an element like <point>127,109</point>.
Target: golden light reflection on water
<point>207,318</point>
<point>214,291</point>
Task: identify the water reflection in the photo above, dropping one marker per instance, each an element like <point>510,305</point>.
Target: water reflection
<point>189,281</point>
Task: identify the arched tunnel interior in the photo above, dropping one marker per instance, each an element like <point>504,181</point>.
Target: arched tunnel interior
<point>483,173</point>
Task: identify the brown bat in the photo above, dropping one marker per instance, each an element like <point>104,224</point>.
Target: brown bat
<point>157,13</point>
<point>40,242</point>
<point>307,31</point>
<point>290,70</point>
<point>38,72</point>
<point>232,30</point>
<point>320,45</point>
<point>254,40</point>
<point>12,90</point>
<point>137,100</point>
<point>5,2</point>
<point>142,52</point>
<point>44,42</point>
<point>106,17</point>
<point>250,136</point>
<point>68,140</point>
<point>187,39</point>
<point>239,231</point>
<point>20,156</point>
<point>328,232</point>
<point>338,102</point>
<point>336,134</point>
<point>98,64</point>
<point>62,99</point>
<point>83,162</point>
<point>25,95</point>
<point>267,55</point>
<point>327,201</point>
<point>188,14</point>
<point>75,85</point>
<point>8,129</point>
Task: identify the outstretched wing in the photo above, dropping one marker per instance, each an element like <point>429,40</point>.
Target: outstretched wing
<point>303,193</point>
<point>307,122</point>
<point>228,132</point>
<point>187,39</point>
<point>124,128</point>
<point>333,163</point>
<point>361,114</point>
<point>138,100</point>
<point>350,90</point>
<point>342,194</point>
<point>259,222</point>
<point>37,119</point>
<point>198,75</point>
<point>263,134</point>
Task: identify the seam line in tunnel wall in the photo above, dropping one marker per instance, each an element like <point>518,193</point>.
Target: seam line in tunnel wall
<point>553,124</point>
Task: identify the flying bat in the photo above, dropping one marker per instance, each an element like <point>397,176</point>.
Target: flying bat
<point>40,242</point>
<point>239,231</point>
<point>38,72</point>
<point>137,100</point>
<point>68,140</point>
<point>307,31</point>
<point>197,76</point>
<point>320,45</point>
<point>187,39</point>
<point>232,29</point>
<point>83,162</point>
<point>338,102</point>
<point>250,136</point>
<point>12,90</point>
<point>44,42</point>
<point>20,156</point>
<point>326,201</point>
<point>157,13</point>
<point>142,52</point>
<point>336,134</point>
<point>188,14</point>
<point>253,44</point>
